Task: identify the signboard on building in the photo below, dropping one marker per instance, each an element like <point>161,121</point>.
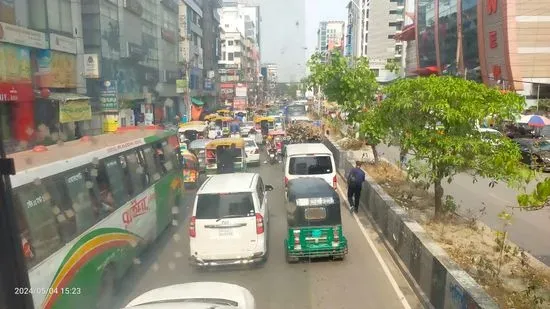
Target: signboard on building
<point>22,36</point>
<point>108,96</point>
<point>91,66</point>
<point>136,51</point>
<point>495,62</point>
<point>240,90</point>
<point>62,43</point>
<point>74,110</point>
<point>208,84</point>
<point>181,85</point>
<point>239,103</point>
<point>55,69</point>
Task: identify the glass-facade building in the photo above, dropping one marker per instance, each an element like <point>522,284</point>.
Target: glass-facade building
<point>447,37</point>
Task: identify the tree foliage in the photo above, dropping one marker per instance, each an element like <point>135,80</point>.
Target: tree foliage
<point>437,119</point>
<point>393,66</point>
<point>353,88</point>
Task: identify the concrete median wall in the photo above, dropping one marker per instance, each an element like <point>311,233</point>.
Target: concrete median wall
<point>440,281</point>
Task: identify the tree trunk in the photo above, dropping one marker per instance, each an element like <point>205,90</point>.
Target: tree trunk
<point>375,154</point>
<point>438,188</point>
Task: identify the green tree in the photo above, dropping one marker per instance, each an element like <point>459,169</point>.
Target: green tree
<point>437,119</point>
<point>353,88</point>
<point>393,66</point>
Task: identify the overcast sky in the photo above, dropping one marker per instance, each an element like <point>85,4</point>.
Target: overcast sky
<point>289,32</point>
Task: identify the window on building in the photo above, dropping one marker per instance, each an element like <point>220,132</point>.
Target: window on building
<point>230,56</point>
<point>230,43</point>
<point>391,36</point>
<point>237,54</point>
<point>59,16</point>
<point>37,16</point>
<point>226,25</point>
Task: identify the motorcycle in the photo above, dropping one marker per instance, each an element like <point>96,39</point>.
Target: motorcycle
<point>273,157</point>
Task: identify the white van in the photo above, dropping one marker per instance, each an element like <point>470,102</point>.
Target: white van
<point>309,160</point>
<point>229,221</point>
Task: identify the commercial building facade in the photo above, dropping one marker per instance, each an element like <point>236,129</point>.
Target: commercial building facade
<point>496,42</point>
<point>41,93</point>
<point>330,36</point>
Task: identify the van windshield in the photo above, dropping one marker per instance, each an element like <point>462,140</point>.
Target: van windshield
<point>310,165</point>
<point>215,206</point>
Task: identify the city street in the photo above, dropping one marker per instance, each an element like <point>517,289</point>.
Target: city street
<point>360,281</point>
<point>529,230</point>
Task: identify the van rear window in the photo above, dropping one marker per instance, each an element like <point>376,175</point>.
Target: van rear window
<point>228,205</point>
<point>316,165</point>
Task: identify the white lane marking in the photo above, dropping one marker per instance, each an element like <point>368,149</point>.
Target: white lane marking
<point>385,267</point>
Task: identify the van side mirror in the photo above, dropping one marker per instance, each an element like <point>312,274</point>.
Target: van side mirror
<point>268,188</point>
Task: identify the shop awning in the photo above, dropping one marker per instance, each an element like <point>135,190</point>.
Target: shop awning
<point>197,102</point>
<point>65,96</point>
<point>408,33</point>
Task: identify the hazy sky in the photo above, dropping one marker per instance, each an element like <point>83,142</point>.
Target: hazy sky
<point>284,27</point>
<point>322,10</point>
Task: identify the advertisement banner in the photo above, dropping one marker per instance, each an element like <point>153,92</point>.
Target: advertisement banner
<point>108,96</point>
<point>56,69</point>
<point>239,104</point>
<point>240,90</point>
<point>22,36</point>
<point>181,85</point>
<point>62,43</point>
<point>15,63</point>
<point>75,110</point>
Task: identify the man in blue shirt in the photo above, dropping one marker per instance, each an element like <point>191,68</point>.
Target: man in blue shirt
<point>355,179</point>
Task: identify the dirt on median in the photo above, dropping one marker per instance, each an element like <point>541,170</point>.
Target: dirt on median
<point>514,279</point>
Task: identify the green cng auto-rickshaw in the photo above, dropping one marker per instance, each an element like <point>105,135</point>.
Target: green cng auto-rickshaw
<point>314,221</point>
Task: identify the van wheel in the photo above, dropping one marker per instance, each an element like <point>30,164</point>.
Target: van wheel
<point>107,288</point>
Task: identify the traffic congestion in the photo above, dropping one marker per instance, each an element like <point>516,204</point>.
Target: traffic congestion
<point>155,217</point>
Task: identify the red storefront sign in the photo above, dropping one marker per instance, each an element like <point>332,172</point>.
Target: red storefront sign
<point>493,42</point>
<point>15,92</point>
<point>492,6</point>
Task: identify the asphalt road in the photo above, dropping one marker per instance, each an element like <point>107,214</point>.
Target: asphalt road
<point>360,281</point>
<point>529,229</point>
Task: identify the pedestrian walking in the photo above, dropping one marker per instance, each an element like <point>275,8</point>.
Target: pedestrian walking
<point>356,178</point>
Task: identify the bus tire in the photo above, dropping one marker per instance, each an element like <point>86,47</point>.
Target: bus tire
<point>107,288</point>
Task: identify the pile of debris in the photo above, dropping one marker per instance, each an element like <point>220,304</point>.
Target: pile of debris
<point>303,132</point>
<point>351,143</point>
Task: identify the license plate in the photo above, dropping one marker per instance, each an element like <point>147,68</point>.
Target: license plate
<point>225,232</point>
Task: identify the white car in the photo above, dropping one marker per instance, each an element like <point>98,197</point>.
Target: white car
<point>252,151</point>
<point>195,295</point>
<point>229,221</point>
<point>246,127</point>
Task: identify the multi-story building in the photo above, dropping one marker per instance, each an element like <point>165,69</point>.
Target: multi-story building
<point>478,40</point>
<point>376,23</point>
<point>211,45</point>
<point>330,36</point>
<point>239,63</point>
<point>40,85</point>
<point>270,73</point>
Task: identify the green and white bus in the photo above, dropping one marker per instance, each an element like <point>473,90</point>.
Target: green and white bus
<point>87,208</point>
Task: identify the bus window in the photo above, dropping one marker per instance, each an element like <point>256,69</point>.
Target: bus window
<point>126,176</point>
<point>171,160</point>
<point>66,217</point>
<point>40,216</point>
<point>136,170</point>
<point>115,181</point>
<point>79,194</point>
<point>149,157</point>
<point>160,158</point>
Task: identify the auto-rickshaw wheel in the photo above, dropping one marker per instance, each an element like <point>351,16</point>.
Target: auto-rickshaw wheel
<point>338,257</point>
<point>291,259</point>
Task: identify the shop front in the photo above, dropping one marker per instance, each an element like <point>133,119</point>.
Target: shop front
<point>16,94</point>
